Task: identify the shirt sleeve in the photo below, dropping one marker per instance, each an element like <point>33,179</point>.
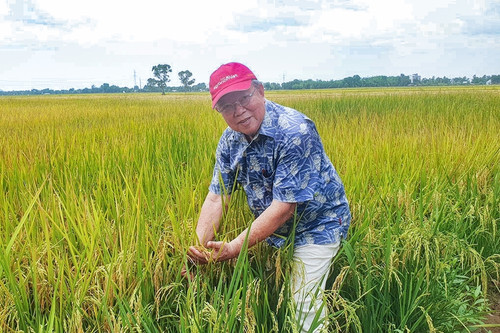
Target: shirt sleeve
<point>298,171</point>
<point>223,176</point>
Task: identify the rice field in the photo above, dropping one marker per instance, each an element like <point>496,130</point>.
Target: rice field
<point>100,196</point>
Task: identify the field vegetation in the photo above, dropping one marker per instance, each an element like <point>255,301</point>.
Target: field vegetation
<point>100,194</point>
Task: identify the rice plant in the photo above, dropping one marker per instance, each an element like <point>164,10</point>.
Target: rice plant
<point>100,196</point>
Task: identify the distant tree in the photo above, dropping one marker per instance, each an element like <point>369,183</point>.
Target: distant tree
<point>104,88</point>
<point>495,79</point>
<point>354,81</point>
<point>403,80</point>
<point>485,79</point>
<point>151,86</point>
<point>185,78</point>
<point>162,73</point>
<point>151,83</point>
<point>272,86</point>
<point>199,87</point>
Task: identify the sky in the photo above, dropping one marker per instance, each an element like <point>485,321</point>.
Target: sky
<point>60,44</point>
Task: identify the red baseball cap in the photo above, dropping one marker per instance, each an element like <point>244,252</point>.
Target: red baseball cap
<point>229,77</point>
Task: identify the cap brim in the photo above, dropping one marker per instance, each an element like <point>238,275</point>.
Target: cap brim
<point>239,86</point>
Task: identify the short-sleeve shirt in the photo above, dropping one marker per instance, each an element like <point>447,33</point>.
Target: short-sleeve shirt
<point>285,161</point>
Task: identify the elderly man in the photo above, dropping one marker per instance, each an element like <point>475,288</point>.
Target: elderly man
<point>275,154</point>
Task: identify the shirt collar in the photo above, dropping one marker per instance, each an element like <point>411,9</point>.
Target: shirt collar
<point>267,128</point>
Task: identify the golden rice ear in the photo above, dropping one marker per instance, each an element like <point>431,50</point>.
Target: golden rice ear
<point>100,246</point>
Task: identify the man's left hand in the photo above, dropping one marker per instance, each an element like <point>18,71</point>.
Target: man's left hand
<point>223,251</point>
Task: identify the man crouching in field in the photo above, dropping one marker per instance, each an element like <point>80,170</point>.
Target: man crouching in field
<point>275,154</point>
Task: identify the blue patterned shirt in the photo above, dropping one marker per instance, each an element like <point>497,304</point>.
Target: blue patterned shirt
<point>286,162</point>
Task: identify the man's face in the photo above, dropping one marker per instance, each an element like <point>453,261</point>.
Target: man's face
<point>244,119</point>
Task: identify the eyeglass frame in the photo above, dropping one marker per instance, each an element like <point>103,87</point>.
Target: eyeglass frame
<point>230,108</point>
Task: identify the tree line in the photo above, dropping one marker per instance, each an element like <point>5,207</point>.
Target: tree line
<point>161,78</point>
<point>383,81</point>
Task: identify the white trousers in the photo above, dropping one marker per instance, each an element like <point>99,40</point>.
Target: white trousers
<point>311,264</point>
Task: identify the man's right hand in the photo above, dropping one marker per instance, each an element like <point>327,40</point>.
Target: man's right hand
<point>198,255</point>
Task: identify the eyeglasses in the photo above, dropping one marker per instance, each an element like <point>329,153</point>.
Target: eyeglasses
<point>231,108</point>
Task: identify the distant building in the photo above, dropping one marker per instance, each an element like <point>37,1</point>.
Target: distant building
<point>415,78</point>
<point>488,82</point>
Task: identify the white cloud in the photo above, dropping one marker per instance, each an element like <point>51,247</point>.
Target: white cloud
<point>185,21</point>
<point>106,40</point>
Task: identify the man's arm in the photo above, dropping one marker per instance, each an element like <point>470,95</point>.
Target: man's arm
<point>267,223</point>
<point>208,223</point>
<point>210,215</point>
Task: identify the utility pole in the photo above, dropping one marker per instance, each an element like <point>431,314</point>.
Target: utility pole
<point>135,79</point>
